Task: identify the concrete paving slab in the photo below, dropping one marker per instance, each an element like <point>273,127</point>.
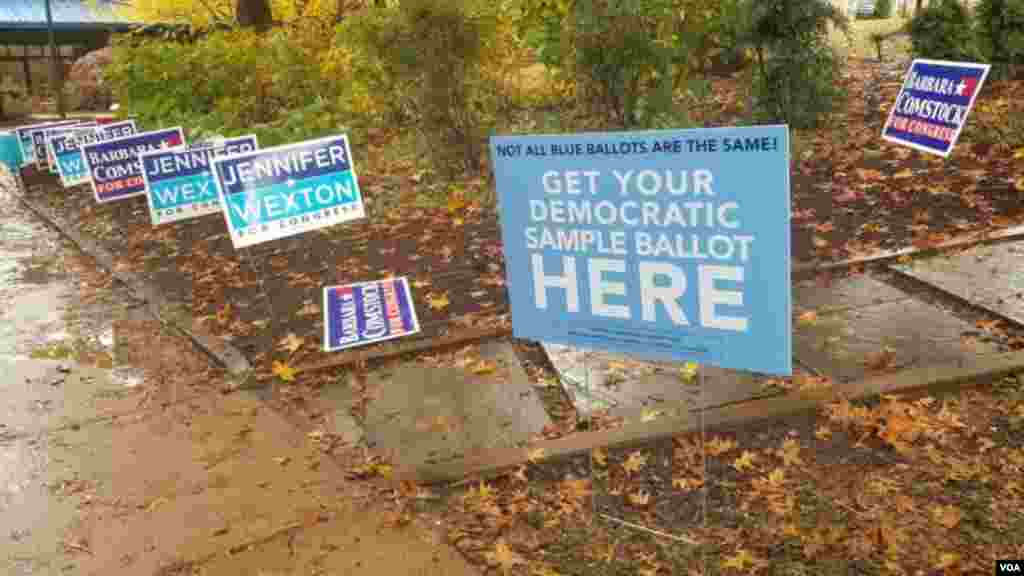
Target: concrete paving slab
<point>988,276</point>
<point>422,414</point>
<point>854,343</point>
<point>597,380</point>
<point>843,294</point>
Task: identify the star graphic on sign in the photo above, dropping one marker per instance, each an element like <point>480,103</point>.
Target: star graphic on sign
<point>966,87</point>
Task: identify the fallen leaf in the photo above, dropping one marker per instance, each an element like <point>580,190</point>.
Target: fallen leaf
<point>947,516</point>
<point>535,455</point>
<point>687,484</point>
<point>869,174</point>
<point>740,560</point>
<point>438,302</point>
<point>1019,184</point>
<point>640,498</point>
<point>504,556</point>
<point>902,174</point>
<point>600,456</point>
<point>790,452</point>
<point>718,446</point>
<point>635,463</point>
<point>485,367</point>
<point>291,342</point>
<point>745,461</point>
<point>808,318</point>
<point>947,560</point>
<point>283,371</point>
<point>820,242</point>
<point>689,372</point>
<point>282,460</point>
<point>1018,154</point>
<point>881,360</point>
<point>649,415</point>
<point>848,196</point>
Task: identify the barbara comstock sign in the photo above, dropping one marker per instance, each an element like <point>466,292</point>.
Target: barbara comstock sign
<point>659,244</point>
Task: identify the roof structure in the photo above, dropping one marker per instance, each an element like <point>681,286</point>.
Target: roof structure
<point>24,21</point>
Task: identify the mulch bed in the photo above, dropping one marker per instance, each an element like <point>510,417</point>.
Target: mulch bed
<point>852,194</point>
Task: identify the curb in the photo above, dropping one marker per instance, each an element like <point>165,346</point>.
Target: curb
<point>167,312</point>
<point>936,379</point>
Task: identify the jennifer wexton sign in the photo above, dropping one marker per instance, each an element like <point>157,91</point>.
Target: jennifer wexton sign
<point>659,244</point>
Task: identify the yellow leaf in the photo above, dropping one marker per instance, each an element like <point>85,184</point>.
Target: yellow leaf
<point>745,461</point>
<point>635,463</point>
<point>648,415</point>
<point>282,460</point>
<point>947,516</point>
<point>1019,154</point>
<point>740,561</point>
<point>790,452</point>
<point>504,556</point>
<point>718,446</point>
<point>687,484</point>
<point>283,371</point>
<point>438,302</point>
<point>535,455</point>
<point>485,367</point>
<point>905,173</point>
<point>600,456</point>
<point>639,498</point>
<point>689,371</point>
<point>1019,184</point>
<point>545,571</point>
<point>947,560</point>
<point>291,342</point>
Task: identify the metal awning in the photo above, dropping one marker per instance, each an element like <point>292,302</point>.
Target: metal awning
<point>26,18</point>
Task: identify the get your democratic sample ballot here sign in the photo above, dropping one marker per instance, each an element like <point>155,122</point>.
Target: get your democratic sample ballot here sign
<point>366,312</point>
<point>287,190</point>
<point>115,171</point>
<point>179,183</point>
<point>660,244</point>
<point>66,148</point>
<point>932,107</point>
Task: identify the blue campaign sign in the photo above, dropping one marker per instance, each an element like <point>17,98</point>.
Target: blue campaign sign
<point>366,312</point>
<point>25,141</point>
<point>179,183</point>
<point>287,190</point>
<point>48,136</point>
<point>114,168</point>
<point>37,140</point>
<point>932,107</point>
<point>666,244</point>
<point>66,148</point>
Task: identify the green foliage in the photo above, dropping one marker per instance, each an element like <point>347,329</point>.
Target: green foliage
<point>795,77</point>
<point>943,31</point>
<point>625,60</point>
<point>231,82</point>
<point>1000,27</point>
<point>883,9</point>
<point>429,56</point>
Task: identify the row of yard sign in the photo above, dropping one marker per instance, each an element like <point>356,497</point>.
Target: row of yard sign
<point>670,244</point>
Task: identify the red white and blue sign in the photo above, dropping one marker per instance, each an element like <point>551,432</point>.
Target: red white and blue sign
<point>932,107</point>
<point>287,190</point>
<point>66,147</point>
<point>367,312</point>
<point>115,170</point>
<point>179,183</point>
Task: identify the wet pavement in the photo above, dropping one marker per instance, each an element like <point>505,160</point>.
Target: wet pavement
<point>120,455</point>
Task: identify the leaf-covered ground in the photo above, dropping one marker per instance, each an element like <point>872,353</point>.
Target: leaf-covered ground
<point>898,485</point>
<point>852,194</point>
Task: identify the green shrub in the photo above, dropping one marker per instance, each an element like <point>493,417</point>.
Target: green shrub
<point>429,56</point>
<point>1000,26</point>
<point>943,31</point>
<point>230,82</point>
<point>883,9</point>
<point>795,80</point>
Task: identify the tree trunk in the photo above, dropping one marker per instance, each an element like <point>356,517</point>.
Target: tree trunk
<point>254,13</point>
